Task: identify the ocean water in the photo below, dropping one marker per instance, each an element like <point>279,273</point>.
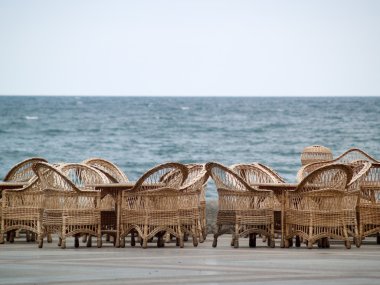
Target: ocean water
<point>137,133</point>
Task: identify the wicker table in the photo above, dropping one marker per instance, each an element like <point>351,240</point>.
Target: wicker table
<point>115,190</point>
<point>279,190</point>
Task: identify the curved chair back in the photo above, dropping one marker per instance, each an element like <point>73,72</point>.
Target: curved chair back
<point>329,177</point>
<point>253,173</point>
<point>171,174</point>
<point>83,175</point>
<point>271,171</point>
<point>196,178</point>
<point>22,171</point>
<point>226,178</point>
<point>52,178</point>
<point>359,168</point>
<point>349,156</point>
<point>113,172</point>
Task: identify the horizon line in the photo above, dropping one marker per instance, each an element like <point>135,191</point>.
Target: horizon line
<point>161,95</point>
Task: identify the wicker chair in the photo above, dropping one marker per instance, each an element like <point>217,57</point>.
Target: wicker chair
<point>369,205</point>
<point>68,211</point>
<point>115,175</point>
<point>152,209</point>
<point>315,210</point>
<point>21,172</point>
<point>83,175</point>
<point>22,209</point>
<point>113,172</point>
<point>243,210</point>
<point>192,212</point>
<point>272,172</point>
<point>349,156</point>
<point>360,169</point>
<point>259,173</point>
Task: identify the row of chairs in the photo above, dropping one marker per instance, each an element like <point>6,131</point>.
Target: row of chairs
<point>334,199</point>
<point>338,198</point>
<point>59,199</point>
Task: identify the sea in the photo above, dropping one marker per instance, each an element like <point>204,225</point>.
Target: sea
<point>137,133</point>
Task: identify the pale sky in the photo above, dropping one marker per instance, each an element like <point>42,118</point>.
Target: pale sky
<point>198,47</point>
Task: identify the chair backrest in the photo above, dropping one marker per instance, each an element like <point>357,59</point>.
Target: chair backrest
<point>329,177</point>
<point>370,186</point>
<point>349,156</point>
<point>53,178</point>
<point>354,154</point>
<point>196,178</point>
<point>171,174</point>
<point>271,171</point>
<point>22,171</point>
<point>254,173</point>
<point>225,178</point>
<point>113,172</point>
<point>360,169</point>
<point>83,175</point>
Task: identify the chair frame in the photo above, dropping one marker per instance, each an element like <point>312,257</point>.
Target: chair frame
<point>68,210</point>
<point>305,208</point>
<point>150,210</point>
<point>243,210</point>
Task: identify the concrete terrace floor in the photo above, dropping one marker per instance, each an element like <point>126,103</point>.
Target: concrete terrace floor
<point>24,263</point>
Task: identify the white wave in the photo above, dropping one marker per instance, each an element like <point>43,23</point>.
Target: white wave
<point>185,108</point>
<point>31,117</point>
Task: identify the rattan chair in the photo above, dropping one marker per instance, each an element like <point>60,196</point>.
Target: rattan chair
<point>82,176</point>
<point>277,177</point>
<point>315,210</point>
<point>22,209</point>
<point>243,210</point>
<point>369,204</point>
<point>360,169</point>
<point>349,156</point>
<point>152,207</point>
<point>113,172</point>
<point>108,207</point>
<point>192,212</point>
<point>68,210</point>
<point>21,172</point>
<point>259,173</point>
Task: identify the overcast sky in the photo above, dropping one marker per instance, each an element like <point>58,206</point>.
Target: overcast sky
<point>205,47</point>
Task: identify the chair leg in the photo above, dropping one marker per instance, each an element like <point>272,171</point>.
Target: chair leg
<point>89,241</point>
<point>99,241</point>
<point>63,244</point>
<point>2,233</point>
<point>216,235</point>
<point>298,241</point>
<point>378,238</point>
<point>133,240</point>
<point>252,240</point>
<point>27,235</point>
<point>40,241</point>
<point>76,241</point>
<point>12,236</point>
<point>271,242</point>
